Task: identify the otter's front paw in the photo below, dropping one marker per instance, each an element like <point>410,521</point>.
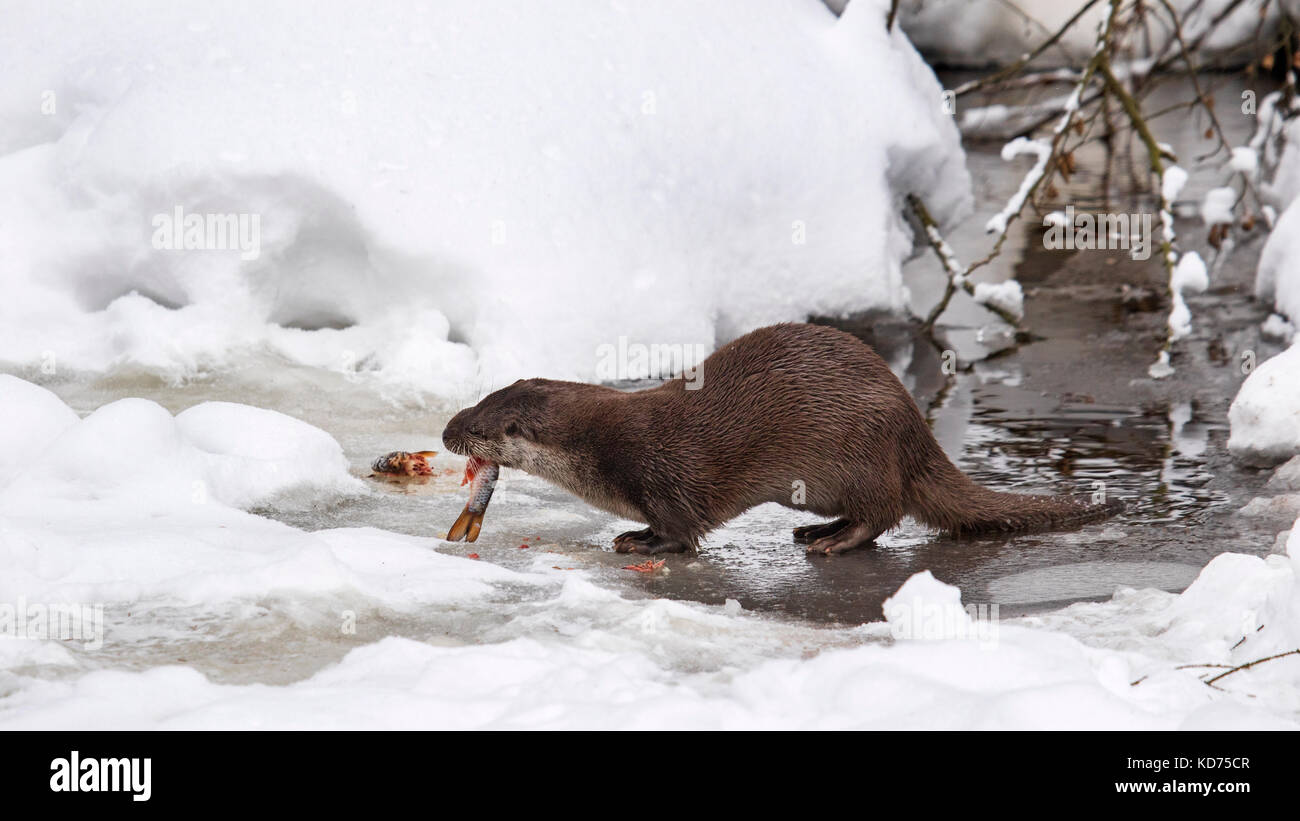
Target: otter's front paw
<point>811,533</point>
<point>647,543</point>
<point>627,542</point>
<point>658,544</point>
<point>850,537</point>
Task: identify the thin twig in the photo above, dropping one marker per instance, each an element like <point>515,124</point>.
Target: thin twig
<point>1014,68</point>
<point>1155,159</point>
<point>1251,664</point>
<point>1072,107</point>
<point>958,277</point>
<point>1205,102</point>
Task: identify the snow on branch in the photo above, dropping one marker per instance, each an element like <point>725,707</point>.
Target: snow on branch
<point>1021,145</point>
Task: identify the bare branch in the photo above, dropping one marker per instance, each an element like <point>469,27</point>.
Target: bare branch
<point>958,277</point>
<point>1251,664</point>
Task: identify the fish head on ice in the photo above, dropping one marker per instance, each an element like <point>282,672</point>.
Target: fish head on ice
<point>401,466</point>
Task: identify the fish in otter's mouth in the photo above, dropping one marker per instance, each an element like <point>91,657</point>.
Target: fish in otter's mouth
<point>482,478</point>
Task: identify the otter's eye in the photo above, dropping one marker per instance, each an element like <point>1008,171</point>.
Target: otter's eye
<point>512,429</point>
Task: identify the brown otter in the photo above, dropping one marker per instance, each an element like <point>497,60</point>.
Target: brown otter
<point>804,415</point>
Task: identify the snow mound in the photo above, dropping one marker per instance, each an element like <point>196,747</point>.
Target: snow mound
<point>33,418</point>
<point>1277,280</point>
<point>134,449</point>
<point>251,455</point>
<point>1265,416</point>
<point>444,194</point>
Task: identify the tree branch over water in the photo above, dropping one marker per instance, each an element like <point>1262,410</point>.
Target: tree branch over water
<point>1108,105</point>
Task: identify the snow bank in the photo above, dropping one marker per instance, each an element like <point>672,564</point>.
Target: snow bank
<point>1277,280</point>
<point>450,192</point>
<point>1265,416</point>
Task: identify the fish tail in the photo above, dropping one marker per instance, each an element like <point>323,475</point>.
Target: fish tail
<point>466,527</point>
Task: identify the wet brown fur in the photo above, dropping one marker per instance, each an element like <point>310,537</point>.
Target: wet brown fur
<point>783,404</point>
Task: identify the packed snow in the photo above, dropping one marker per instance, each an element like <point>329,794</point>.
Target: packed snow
<point>447,194</point>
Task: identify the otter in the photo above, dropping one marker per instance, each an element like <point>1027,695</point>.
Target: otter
<point>803,415</point>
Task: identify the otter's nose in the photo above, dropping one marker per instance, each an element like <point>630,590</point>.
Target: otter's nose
<point>453,436</point>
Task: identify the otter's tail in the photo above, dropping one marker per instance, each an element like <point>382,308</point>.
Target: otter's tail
<point>949,500</point>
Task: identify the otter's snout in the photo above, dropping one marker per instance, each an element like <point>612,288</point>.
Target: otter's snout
<point>454,436</point>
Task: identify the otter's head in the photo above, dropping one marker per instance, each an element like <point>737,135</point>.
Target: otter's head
<point>505,427</point>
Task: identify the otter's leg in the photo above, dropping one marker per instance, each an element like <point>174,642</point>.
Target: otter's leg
<point>808,533</point>
<point>857,534</point>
